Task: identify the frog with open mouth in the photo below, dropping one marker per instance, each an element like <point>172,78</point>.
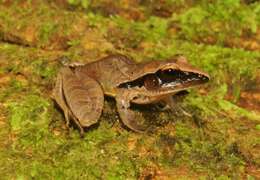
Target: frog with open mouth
<point>80,89</point>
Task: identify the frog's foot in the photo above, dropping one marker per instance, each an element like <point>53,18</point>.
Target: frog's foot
<point>83,96</point>
<point>179,111</point>
<point>172,103</point>
<point>162,106</point>
<point>129,117</point>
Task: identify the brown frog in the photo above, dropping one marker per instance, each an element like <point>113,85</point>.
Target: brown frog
<point>80,90</point>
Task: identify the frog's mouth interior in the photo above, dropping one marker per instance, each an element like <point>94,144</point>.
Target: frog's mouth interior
<point>168,79</point>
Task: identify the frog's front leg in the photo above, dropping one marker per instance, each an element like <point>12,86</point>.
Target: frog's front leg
<point>173,103</point>
<point>129,117</point>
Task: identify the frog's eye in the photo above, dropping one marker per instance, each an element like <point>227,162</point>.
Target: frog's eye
<point>151,82</point>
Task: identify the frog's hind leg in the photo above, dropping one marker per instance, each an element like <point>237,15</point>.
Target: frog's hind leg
<point>84,97</point>
<point>58,96</point>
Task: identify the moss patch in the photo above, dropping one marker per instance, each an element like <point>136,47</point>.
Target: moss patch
<point>218,141</point>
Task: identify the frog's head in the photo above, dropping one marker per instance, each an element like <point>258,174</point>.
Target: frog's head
<point>164,77</point>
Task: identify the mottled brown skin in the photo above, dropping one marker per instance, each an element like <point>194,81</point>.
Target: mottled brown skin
<point>80,90</point>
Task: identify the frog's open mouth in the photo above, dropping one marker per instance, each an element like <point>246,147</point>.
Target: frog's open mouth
<point>169,79</point>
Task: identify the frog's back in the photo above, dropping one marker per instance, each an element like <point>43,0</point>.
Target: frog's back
<point>109,71</point>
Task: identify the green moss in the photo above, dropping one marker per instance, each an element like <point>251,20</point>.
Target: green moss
<point>153,29</point>
<point>257,126</point>
<point>220,19</point>
<point>42,68</point>
<point>80,3</point>
<point>46,31</point>
<point>202,143</point>
<point>15,86</point>
<point>30,111</point>
<point>219,140</point>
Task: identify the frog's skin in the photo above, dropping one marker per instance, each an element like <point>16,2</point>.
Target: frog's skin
<point>80,89</point>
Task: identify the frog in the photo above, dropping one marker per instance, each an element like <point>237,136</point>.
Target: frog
<point>80,88</point>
